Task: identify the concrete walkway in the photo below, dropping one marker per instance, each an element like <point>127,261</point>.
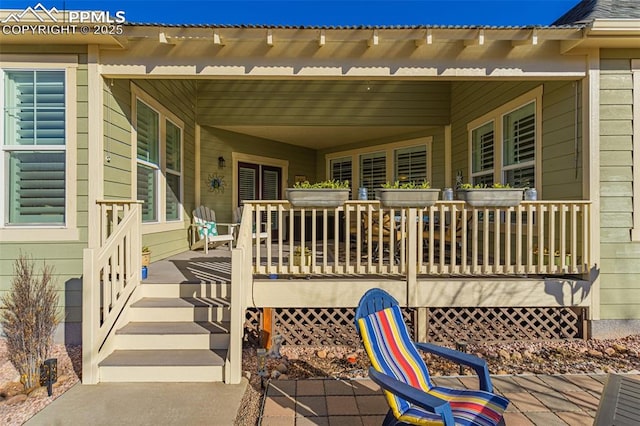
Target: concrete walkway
<point>547,400</point>
<point>183,404</point>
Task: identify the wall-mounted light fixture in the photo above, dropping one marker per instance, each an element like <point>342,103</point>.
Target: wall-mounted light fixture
<point>221,162</point>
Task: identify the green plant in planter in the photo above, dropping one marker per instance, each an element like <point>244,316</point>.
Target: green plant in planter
<point>325,184</point>
<point>496,185</point>
<point>407,185</point>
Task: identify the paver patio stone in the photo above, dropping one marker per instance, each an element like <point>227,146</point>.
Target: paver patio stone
<point>372,420</point>
<point>341,405</point>
<point>448,382</point>
<point>531,384</point>
<point>310,388</point>
<point>345,421</point>
<point>547,419</point>
<point>585,400</point>
<point>282,388</point>
<point>599,377</point>
<point>585,382</point>
<point>312,421</point>
<point>373,404</point>
<point>504,384</point>
<point>555,401</point>
<point>525,402</point>
<point>311,406</point>
<point>560,383</point>
<point>576,418</point>
<point>366,387</point>
<point>535,400</point>
<point>278,421</point>
<point>470,382</point>
<point>279,406</point>
<point>338,387</point>
<point>516,419</point>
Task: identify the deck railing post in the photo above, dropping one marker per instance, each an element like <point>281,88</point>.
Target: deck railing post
<point>412,257</point>
<point>233,365</point>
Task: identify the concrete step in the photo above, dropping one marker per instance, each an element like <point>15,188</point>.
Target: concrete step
<point>183,365</point>
<point>195,290</point>
<point>173,335</point>
<point>180,309</point>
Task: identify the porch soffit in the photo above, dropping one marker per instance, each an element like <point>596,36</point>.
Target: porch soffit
<point>420,53</point>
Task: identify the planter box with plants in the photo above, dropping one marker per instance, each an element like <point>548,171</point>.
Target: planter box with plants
<point>408,194</point>
<point>497,195</point>
<point>329,194</point>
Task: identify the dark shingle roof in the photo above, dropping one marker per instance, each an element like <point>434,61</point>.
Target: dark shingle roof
<point>588,10</point>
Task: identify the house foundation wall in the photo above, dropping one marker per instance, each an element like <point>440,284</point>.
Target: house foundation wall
<point>613,329</point>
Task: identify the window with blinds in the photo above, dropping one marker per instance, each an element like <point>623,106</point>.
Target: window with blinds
<point>159,180</point>
<point>246,184</point>
<point>482,143</point>
<point>373,170</point>
<point>411,164</point>
<point>173,172</point>
<point>33,147</point>
<point>519,146</point>
<point>341,169</point>
<point>148,149</point>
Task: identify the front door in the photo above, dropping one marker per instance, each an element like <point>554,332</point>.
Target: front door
<point>259,182</point>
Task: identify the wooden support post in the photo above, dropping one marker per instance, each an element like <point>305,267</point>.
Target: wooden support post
<point>267,327</point>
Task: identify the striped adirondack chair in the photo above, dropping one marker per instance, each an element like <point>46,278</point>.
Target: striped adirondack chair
<point>402,374</point>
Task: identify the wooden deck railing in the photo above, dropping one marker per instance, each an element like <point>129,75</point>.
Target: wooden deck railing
<point>110,274</point>
<point>536,237</point>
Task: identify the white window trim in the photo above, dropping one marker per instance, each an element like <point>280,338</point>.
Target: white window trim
<point>161,224</point>
<point>238,157</point>
<point>69,231</point>
<point>635,71</point>
<point>496,116</point>
<point>388,149</point>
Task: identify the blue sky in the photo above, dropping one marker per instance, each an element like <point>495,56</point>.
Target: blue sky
<point>312,12</point>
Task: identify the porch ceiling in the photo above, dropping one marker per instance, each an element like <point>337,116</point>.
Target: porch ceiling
<point>323,137</point>
<point>322,114</point>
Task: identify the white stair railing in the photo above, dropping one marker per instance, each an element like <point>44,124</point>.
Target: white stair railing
<point>110,274</point>
<point>241,279</point>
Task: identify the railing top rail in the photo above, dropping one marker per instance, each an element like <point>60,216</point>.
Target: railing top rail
<point>447,202</point>
<point>119,202</point>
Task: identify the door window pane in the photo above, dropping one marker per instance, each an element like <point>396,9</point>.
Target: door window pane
<point>246,184</point>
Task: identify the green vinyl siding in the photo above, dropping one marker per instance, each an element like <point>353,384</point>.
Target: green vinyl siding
<point>217,142</point>
<point>64,256</point>
<point>620,257</point>
<point>561,174</point>
<point>329,102</point>
<point>177,96</point>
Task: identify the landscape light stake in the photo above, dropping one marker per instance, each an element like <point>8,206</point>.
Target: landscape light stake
<point>49,374</point>
<point>262,365</point>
